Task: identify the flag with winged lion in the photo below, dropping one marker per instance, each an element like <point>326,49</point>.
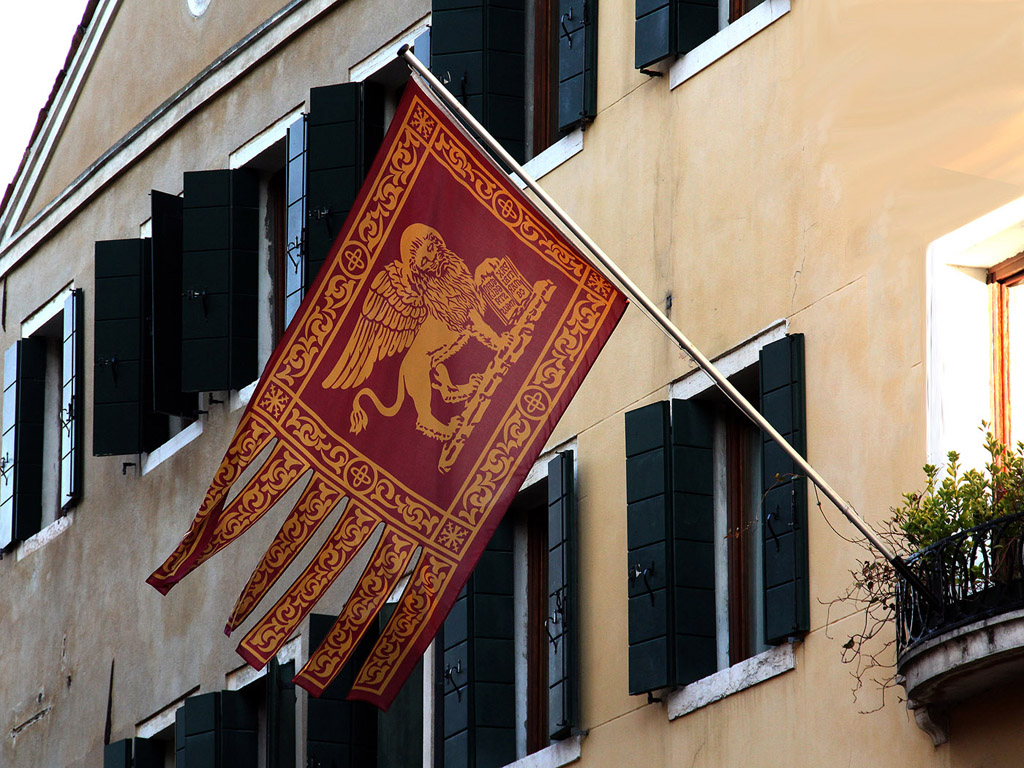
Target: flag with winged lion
<point>443,338</point>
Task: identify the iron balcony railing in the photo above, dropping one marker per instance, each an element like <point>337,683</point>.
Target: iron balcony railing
<point>975,574</point>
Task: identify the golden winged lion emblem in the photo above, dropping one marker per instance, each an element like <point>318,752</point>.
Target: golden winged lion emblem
<point>426,305</point>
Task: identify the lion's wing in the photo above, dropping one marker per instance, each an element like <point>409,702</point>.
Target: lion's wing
<point>392,315</point>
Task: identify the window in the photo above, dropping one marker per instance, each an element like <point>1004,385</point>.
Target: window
<point>40,455</point>
<point>525,69</point>
<point>520,602</point>
<point>666,28</point>
<point>716,521</point>
<point>1007,301</point>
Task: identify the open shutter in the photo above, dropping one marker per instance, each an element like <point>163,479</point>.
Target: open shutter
<point>216,730</point>
<point>577,62</point>
<point>118,754</point>
<point>654,33</point>
<point>648,539</point>
<point>21,490</point>
<point>477,49</point>
<point>344,131</point>
<point>478,664</point>
<point>280,715</point>
<point>167,213</point>
<point>563,599</point>
<point>21,481</point>
<point>295,219</point>
<point>784,528</point>
<point>696,21</point>
<point>123,422</point>
<point>696,653</point>
<point>72,381</point>
<point>340,732</point>
<point>219,280</point>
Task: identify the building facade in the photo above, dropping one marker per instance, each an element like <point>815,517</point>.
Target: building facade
<point>825,196</point>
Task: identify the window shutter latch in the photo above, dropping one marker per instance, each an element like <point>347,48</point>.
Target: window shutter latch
<point>638,572</point>
<point>67,416</point>
<point>5,462</point>
<point>112,362</point>
<point>192,294</point>
<point>449,675</point>
<point>556,619</point>
<point>565,29</point>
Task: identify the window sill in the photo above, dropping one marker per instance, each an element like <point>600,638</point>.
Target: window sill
<point>551,158</point>
<point>151,461</point>
<point>45,536</point>
<point>734,35</point>
<point>558,754</point>
<point>726,682</point>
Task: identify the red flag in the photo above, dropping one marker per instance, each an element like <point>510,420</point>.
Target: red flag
<point>442,340</point>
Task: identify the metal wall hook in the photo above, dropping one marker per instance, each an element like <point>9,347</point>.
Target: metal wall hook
<point>638,572</point>
<point>449,675</point>
<point>125,465</point>
<point>565,29</point>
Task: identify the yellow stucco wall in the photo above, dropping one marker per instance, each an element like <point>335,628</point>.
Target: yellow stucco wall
<point>801,177</point>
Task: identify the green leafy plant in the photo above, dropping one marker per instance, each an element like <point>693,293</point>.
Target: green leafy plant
<point>950,502</point>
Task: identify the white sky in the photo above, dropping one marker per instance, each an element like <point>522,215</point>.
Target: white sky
<point>35,36</point>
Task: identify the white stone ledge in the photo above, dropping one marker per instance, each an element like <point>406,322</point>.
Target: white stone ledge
<point>558,754</point>
<point>726,682</point>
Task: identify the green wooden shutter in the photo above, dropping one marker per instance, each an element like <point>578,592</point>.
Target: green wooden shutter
<point>216,730</point>
<point>118,754</point>
<point>295,219</point>
<point>577,62</point>
<point>72,385</point>
<point>280,715</point>
<point>784,512</point>
<point>696,653</point>
<point>219,280</point>
<point>344,131</point>
<point>166,269</point>
<point>563,599</point>
<point>478,664</point>
<point>21,490</point>
<point>123,422</point>
<point>696,21</point>
<point>649,538</point>
<point>654,32</point>
<point>477,49</point>
<point>340,732</point>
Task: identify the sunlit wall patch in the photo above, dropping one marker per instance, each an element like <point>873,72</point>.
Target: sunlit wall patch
<point>197,7</point>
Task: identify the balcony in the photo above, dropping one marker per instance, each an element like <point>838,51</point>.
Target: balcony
<point>970,638</point>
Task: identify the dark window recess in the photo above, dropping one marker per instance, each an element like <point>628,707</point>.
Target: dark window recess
<point>118,754</point>
<point>166,271</point>
<point>295,219</point>
<point>670,563</point>
<point>219,280</point>
<point>475,673</point>
<point>280,710</point>
<point>123,419</point>
<point>784,529</point>
<point>71,414</point>
<point>149,753</point>
<point>340,732</point>
<point>21,460</point>
<point>344,130</point>
<point>478,50</point>
<point>577,63</point>
<point>216,730</point>
<point>671,28</point>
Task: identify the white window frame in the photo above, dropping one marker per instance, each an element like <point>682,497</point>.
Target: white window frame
<point>729,37</point>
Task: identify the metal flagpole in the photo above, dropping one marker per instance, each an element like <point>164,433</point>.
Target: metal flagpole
<point>667,326</point>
